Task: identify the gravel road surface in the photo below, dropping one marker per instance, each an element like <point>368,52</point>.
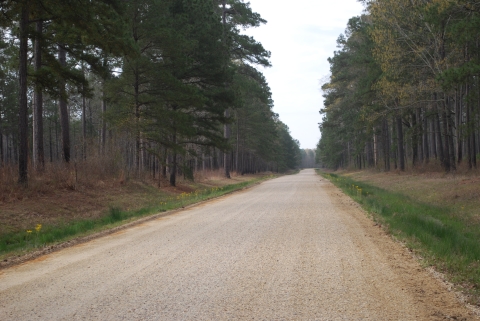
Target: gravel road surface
<point>292,248</point>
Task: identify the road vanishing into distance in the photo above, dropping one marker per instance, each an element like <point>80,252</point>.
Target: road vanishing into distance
<point>292,248</point>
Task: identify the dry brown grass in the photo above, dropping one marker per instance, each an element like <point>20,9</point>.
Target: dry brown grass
<point>459,190</point>
<point>87,189</point>
<point>58,176</point>
<point>62,193</point>
<point>217,177</point>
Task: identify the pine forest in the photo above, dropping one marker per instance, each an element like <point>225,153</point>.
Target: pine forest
<point>146,173</point>
<point>141,88</point>
<point>404,89</point>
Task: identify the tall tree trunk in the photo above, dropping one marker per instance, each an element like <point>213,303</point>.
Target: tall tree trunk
<point>50,145</point>
<point>433,136</point>
<point>143,157</point>
<point>226,155</point>
<point>451,146</point>
<point>226,128</point>
<point>38,150</point>
<point>347,162</point>
<point>438,130</point>
<point>469,135</point>
<point>401,150</point>
<point>419,132</point>
<point>173,170</point>
<point>57,157</point>
<point>370,154</point>
<point>23,108</point>
<point>84,122</point>
<point>238,146</point>
<point>153,166</point>
<point>386,144</point>
<point>164,166</point>
<point>173,167</point>
<point>458,124</point>
<point>137,121</point>
<point>414,140</point>
<point>215,159</point>
<point>394,139</point>
<point>63,109</point>
<point>1,142</point>
<point>474,149</point>
<point>103,135</point>
<point>476,139</point>
<point>426,147</point>
<point>446,146</point>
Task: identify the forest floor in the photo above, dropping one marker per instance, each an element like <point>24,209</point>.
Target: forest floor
<point>51,203</point>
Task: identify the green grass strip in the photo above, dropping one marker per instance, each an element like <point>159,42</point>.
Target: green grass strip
<point>40,236</point>
<point>447,241</point>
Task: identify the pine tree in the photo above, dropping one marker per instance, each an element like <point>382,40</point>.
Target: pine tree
<point>237,14</point>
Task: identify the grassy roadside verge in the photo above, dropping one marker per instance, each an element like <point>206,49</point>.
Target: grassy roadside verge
<point>444,239</point>
<point>39,236</point>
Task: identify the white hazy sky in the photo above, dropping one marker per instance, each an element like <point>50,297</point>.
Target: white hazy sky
<point>301,36</point>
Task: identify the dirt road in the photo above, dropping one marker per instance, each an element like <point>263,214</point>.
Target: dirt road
<point>293,248</point>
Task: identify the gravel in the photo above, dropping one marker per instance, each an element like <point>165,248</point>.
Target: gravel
<point>292,248</point>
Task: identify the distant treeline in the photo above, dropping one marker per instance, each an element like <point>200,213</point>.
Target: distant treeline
<point>405,87</point>
<point>308,158</point>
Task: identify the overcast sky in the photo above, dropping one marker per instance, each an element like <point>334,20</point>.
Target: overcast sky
<point>301,36</point>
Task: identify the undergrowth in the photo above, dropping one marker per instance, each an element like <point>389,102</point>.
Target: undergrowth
<point>444,240</point>
<point>40,236</point>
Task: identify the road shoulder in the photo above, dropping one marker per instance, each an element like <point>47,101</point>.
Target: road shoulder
<point>436,297</point>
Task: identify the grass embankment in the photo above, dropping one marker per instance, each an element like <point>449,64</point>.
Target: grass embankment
<point>442,235</point>
<point>40,235</point>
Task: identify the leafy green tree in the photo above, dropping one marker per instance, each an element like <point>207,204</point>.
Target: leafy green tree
<point>254,130</point>
<point>175,83</point>
<point>420,98</point>
<point>173,72</point>
<point>351,111</point>
<point>237,15</point>
<point>79,28</point>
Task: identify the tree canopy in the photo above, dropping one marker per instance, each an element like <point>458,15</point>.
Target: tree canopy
<point>403,87</point>
<point>151,81</point>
